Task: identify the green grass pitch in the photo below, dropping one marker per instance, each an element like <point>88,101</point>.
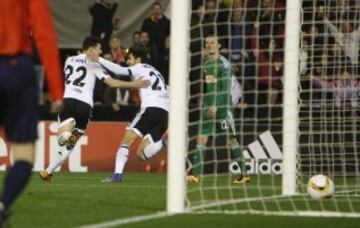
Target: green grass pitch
<point>78,199</point>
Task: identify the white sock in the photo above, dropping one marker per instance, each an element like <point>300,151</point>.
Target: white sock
<point>61,157</point>
<point>152,149</point>
<point>121,158</point>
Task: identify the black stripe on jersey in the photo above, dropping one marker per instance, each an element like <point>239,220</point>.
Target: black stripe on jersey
<point>130,72</point>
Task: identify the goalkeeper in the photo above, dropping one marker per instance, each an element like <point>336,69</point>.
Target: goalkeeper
<point>216,116</point>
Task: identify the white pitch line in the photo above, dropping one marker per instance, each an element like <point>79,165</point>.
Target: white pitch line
<point>97,178</point>
<point>128,220</point>
<point>244,200</point>
<point>288,213</point>
<point>112,185</point>
<point>234,201</point>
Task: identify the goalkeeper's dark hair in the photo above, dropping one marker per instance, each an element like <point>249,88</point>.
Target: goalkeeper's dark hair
<point>139,51</point>
<point>90,41</point>
<point>219,40</point>
<point>211,35</point>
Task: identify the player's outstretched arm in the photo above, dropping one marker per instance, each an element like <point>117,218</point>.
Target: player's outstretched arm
<point>45,39</point>
<point>137,84</point>
<point>115,68</point>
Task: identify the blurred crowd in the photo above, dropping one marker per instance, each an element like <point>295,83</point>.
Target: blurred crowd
<point>251,33</point>
<point>329,54</point>
<point>252,37</point>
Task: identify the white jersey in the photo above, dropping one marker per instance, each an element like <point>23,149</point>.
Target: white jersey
<point>80,78</point>
<point>156,95</point>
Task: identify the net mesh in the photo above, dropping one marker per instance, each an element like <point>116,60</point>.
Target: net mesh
<point>252,36</point>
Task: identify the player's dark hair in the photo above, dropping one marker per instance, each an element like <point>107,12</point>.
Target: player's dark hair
<point>220,41</point>
<point>90,41</point>
<point>142,52</point>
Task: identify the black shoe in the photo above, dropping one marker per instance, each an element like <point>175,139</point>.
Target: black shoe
<point>4,216</point>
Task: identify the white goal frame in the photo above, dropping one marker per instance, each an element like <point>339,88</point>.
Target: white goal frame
<point>290,98</point>
<point>179,73</point>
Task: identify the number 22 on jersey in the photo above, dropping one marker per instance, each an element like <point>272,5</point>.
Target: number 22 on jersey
<point>159,83</point>
<point>79,77</point>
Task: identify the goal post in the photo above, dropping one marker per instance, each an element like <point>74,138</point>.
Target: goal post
<point>179,70</point>
<point>291,96</point>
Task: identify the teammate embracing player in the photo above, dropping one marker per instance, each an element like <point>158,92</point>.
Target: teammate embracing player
<point>151,121</point>
<point>81,72</point>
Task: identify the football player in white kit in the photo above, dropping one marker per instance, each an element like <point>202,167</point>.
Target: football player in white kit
<point>81,72</point>
<point>151,121</point>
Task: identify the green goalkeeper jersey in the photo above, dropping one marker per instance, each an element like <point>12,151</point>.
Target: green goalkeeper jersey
<point>218,86</point>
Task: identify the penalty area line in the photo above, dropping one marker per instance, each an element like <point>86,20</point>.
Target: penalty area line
<point>127,220</point>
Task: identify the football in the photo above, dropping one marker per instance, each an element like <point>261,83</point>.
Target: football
<point>320,186</point>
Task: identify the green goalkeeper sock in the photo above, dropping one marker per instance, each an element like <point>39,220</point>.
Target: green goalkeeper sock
<point>238,155</point>
<point>198,160</point>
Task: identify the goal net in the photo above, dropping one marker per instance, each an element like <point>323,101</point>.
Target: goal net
<point>324,78</point>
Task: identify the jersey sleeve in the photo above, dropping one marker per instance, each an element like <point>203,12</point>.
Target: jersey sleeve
<point>137,71</point>
<point>98,71</point>
<point>115,68</point>
<point>45,39</point>
<point>224,84</point>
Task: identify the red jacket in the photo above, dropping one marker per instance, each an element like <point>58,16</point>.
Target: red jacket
<point>18,19</point>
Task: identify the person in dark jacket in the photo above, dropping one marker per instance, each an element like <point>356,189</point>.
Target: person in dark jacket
<point>157,26</point>
<point>102,12</point>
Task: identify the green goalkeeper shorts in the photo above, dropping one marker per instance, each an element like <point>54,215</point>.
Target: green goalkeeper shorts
<point>218,126</point>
